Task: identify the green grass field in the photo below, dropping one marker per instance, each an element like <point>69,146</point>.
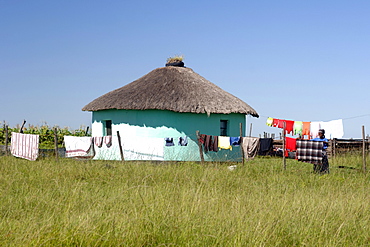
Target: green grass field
<point>105,203</point>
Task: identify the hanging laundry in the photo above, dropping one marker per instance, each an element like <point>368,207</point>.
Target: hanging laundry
<point>275,122</point>
<point>169,142</point>
<point>265,146</point>
<point>107,141</point>
<point>337,130</point>
<point>235,141</point>
<point>208,143</point>
<point>290,145</point>
<point>202,138</point>
<point>281,123</point>
<point>212,145</point>
<point>298,125</point>
<point>25,146</point>
<point>315,126</point>
<point>250,146</point>
<point>269,121</point>
<point>78,146</point>
<point>289,126</point>
<point>183,141</point>
<point>215,144</point>
<point>224,142</point>
<point>309,151</point>
<point>98,141</point>
<point>306,129</point>
<point>333,128</point>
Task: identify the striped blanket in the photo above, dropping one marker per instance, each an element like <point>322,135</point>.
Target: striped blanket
<point>309,151</point>
<point>25,146</point>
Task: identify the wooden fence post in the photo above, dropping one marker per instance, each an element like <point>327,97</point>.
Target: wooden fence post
<point>363,150</point>
<point>250,130</point>
<point>120,146</point>
<point>334,147</point>
<point>241,141</point>
<point>200,146</point>
<point>56,143</point>
<point>6,140</point>
<point>21,129</point>
<point>284,146</point>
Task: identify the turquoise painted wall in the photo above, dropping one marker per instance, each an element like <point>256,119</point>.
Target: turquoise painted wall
<point>161,124</point>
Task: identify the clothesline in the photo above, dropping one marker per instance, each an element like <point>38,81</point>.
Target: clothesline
<point>333,128</point>
<point>364,115</point>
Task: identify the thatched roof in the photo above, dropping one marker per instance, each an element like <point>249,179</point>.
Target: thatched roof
<point>177,89</point>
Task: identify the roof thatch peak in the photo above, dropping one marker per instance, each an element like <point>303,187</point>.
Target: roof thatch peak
<point>172,88</point>
<point>175,61</point>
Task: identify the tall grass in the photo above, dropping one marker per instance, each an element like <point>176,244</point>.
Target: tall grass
<point>105,203</point>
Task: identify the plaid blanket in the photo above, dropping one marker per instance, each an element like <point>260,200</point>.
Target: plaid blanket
<point>309,151</point>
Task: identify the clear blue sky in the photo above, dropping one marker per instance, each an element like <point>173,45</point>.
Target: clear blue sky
<point>296,60</point>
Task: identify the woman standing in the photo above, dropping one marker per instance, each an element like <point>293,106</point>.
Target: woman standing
<point>324,167</point>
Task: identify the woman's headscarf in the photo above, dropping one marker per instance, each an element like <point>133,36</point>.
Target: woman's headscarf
<point>323,133</point>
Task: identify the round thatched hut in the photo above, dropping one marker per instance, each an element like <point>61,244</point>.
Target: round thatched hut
<point>168,102</point>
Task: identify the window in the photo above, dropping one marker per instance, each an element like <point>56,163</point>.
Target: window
<point>223,127</point>
<point>108,127</point>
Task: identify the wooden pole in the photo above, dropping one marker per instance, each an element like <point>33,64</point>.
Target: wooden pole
<point>200,146</point>
<point>56,143</point>
<point>6,140</point>
<point>21,129</point>
<point>250,130</point>
<point>334,147</point>
<point>87,130</point>
<point>241,141</point>
<point>363,150</point>
<point>120,146</point>
<point>284,147</point>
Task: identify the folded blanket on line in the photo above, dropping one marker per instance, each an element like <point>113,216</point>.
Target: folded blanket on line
<point>25,146</point>
<point>78,146</point>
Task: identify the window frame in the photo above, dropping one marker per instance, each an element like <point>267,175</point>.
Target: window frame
<point>107,127</point>
<point>224,127</point>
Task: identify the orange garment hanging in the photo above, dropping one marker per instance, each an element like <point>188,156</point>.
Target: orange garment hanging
<point>306,129</point>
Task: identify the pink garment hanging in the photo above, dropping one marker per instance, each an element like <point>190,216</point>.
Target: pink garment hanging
<point>98,140</point>
<point>107,140</point>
